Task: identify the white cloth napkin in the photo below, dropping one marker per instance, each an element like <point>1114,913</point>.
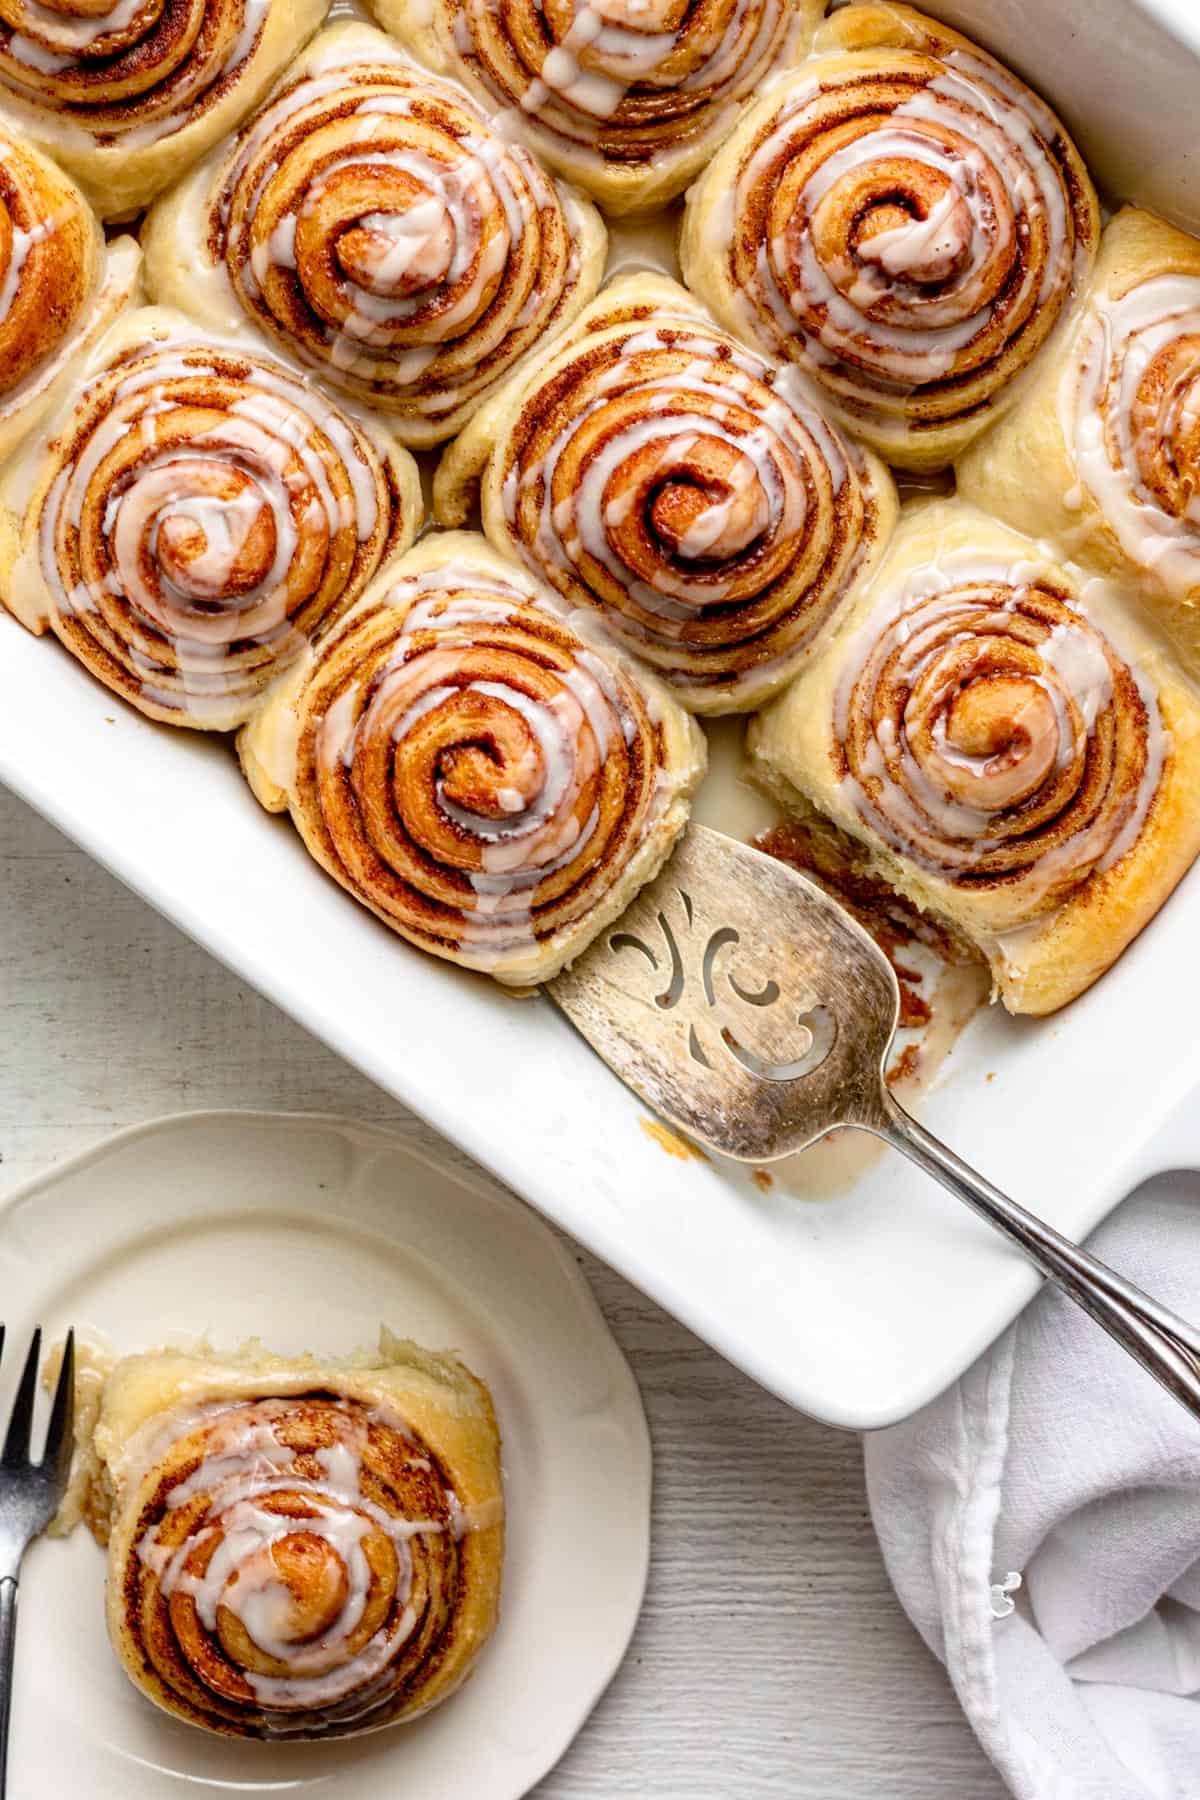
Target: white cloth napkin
<point>1057,1460</point>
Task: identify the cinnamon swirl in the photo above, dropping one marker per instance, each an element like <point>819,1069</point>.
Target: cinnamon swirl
<point>199,514</point>
<point>904,219</point>
<point>627,97</point>
<point>993,728</point>
<point>126,94</point>
<point>656,472</point>
<point>494,786</point>
<point>60,286</point>
<point>376,228</point>
<point>298,1548</point>
<point>1103,452</point>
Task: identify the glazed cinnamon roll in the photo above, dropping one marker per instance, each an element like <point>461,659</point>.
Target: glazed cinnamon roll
<point>298,1548</point>
<point>627,97</point>
<point>1103,452</point>
<point>992,726</point>
<point>199,514</point>
<point>693,496</point>
<point>126,94</point>
<point>904,219</point>
<point>373,225</point>
<point>494,786</point>
<point>60,286</point>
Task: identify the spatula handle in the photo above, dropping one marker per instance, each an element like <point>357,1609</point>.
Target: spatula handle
<point>1165,1345</point>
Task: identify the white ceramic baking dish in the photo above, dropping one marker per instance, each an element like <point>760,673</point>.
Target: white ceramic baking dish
<point>857,1307</point>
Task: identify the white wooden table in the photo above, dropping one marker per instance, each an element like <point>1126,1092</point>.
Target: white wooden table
<point>772,1657</point>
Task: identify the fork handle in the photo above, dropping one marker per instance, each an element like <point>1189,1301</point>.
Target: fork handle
<point>8,1633</point>
<point>1166,1345</point>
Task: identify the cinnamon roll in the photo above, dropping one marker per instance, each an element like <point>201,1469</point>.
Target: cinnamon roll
<point>374,226</point>
<point>1103,452</point>
<point>493,785</point>
<point>60,286</point>
<point>904,219</point>
<point>655,471</point>
<point>627,97</point>
<point>200,513</point>
<point>126,94</point>
<point>993,727</point>
<point>298,1547</point>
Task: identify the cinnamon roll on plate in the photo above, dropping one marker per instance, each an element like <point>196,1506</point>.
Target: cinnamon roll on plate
<point>199,513</point>
<point>307,1540</point>
<point>1103,452</point>
<point>297,1547</point>
<point>904,219</point>
<point>657,474</point>
<point>376,228</point>
<point>994,727</point>
<point>126,94</point>
<point>492,783</point>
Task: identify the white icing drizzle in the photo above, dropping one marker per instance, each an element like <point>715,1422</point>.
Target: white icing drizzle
<point>22,243</point>
<point>554,743</point>
<point>429,295</point>
<point>76,31</point>
<point>258,483</point>
<point>112,292</point>
<point>1118,347</point>
<point>36,56</point>
<point>913,303</point>
<point>782,473</point>
<point>59,43</point>
<point>611,48</point>
<point>246,1461</point>
<point>947,810</point>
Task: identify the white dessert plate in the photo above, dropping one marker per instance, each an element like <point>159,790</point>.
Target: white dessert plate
<point>309,1232</point>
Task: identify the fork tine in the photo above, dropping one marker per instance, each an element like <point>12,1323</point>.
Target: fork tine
<point>20,1425</point>
<point>60,1437</point>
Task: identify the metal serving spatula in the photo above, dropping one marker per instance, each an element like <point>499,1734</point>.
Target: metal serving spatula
<point>749,1009</point>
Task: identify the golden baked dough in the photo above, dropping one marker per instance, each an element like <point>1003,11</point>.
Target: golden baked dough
<point>126,96</point>
<point>993,726</point>
<point>60,286</point>
<point>627,97</point>
<point>494,786</point>
<point>198,514</point>
<point>653,470</point>
<point>373,225</point>
<point>903,218</point>
<point>298,1547</point>
<point>1103,452</point>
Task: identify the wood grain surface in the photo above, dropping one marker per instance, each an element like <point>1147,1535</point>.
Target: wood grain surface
<point>772,1657</point>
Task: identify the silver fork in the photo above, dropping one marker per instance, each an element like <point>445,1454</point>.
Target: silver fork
<point>30,1493</point>
<point>748,1008</point>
